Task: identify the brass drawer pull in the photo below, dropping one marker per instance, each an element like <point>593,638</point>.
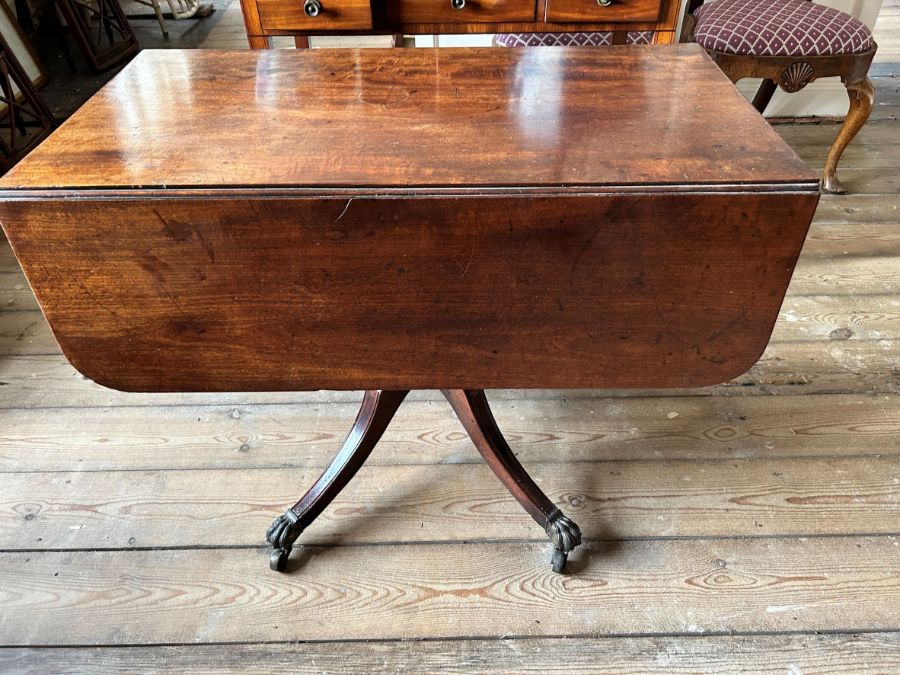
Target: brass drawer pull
<point>457,4</point>
<point>312,8</point>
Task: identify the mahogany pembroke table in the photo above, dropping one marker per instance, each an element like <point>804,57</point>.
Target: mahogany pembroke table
<point>390,220</point>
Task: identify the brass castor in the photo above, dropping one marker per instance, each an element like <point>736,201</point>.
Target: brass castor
<point>278,560</point>
<point>565,535</point>
<point>282,534</point>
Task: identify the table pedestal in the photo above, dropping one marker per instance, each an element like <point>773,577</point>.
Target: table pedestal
<point>377,410</point>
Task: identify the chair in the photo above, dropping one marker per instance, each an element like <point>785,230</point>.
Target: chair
<point>790,43</point>
<point>101,30</point>
<point>181,9</point>
<point>26,119</point>
<point>584,39</point>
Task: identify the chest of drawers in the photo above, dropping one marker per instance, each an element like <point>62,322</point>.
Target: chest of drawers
<point>267,18</point>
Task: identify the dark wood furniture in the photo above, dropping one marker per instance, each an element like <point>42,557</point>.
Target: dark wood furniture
<point>790,43</point>
<point>101,31</point>
<point>26,119</point>
<point>265,19</point>
<point>458,219</point>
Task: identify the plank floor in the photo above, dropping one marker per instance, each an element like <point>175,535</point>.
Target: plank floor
<point>749,527</point>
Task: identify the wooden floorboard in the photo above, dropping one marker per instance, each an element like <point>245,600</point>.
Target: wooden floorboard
<point>452,590</point>
<point>453,502</point>
<point>744,528</point>
<point>555,429</point>
<point>834,654</point>
<point>849,367</point>
<point>868,180</point>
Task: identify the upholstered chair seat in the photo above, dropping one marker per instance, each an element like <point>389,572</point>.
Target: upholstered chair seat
<point>592,39</point>
<point>790,43</point>
<point>778,28</point>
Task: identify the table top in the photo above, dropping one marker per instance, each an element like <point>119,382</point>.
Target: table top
<point>612,116</point>
<point>411,219</point>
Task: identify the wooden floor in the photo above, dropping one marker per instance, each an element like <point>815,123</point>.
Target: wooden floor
<point>753,526</point>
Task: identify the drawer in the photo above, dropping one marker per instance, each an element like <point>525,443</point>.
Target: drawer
<point>314,15</point>
<point>459,11</point>
<point>591,11</point>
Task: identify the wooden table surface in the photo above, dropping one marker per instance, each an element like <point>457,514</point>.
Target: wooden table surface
<point>638,115</point>
<point>408,219</point>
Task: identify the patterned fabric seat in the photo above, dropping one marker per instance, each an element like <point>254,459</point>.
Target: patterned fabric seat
<point>778,28</point>
<point>595,39</point>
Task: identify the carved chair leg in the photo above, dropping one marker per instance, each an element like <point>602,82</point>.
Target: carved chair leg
<point>764,95</point>
<point>375,413</point>
<point>862,97</point>
<point>471,406</point>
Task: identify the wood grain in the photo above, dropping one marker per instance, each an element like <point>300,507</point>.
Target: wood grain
<point>289,15</point>
<point>590,10</point>
<point>853,237</point>
<point>834,366</point>
<point>874,150</point>
<point>436,17</point>
<point>877,136</point>
<point>16,295</point>
<point>26,333</point>
<point>862,318</point>
<point>853,367</point>
<point>834,654</point>
<point>454,117</point>
<point>359,307</point>
<point>865,211</point>
<point>857,172</point>
<point>71,428</point>
<point>389,592</point>
<point>881,157</point>
<point>846,276</point>
<point>823,367</point>
<point>354,278</point>
<point>8,262</point>
<point>252,26</point>
<point>558,428</point>
<point>852,68</point>
<point>871,317</point>
<point>843,316</point>
<point>461,503</point>
<point>871,180</point>
<point>660,26</point>
<point>441,11</point>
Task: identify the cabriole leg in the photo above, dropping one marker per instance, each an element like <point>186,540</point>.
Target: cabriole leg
<point>862,97</point>
<point>473,410</point>
<point>377,410</point>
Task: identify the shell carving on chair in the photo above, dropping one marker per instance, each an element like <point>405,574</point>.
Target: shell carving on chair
<point>796,76</point>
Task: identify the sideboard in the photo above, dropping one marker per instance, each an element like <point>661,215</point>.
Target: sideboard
<point>627,20</point>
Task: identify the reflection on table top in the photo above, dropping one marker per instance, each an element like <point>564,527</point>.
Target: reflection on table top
<point>413,118</point>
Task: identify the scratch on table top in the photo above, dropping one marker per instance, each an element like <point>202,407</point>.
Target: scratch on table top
<point>346,207</point>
